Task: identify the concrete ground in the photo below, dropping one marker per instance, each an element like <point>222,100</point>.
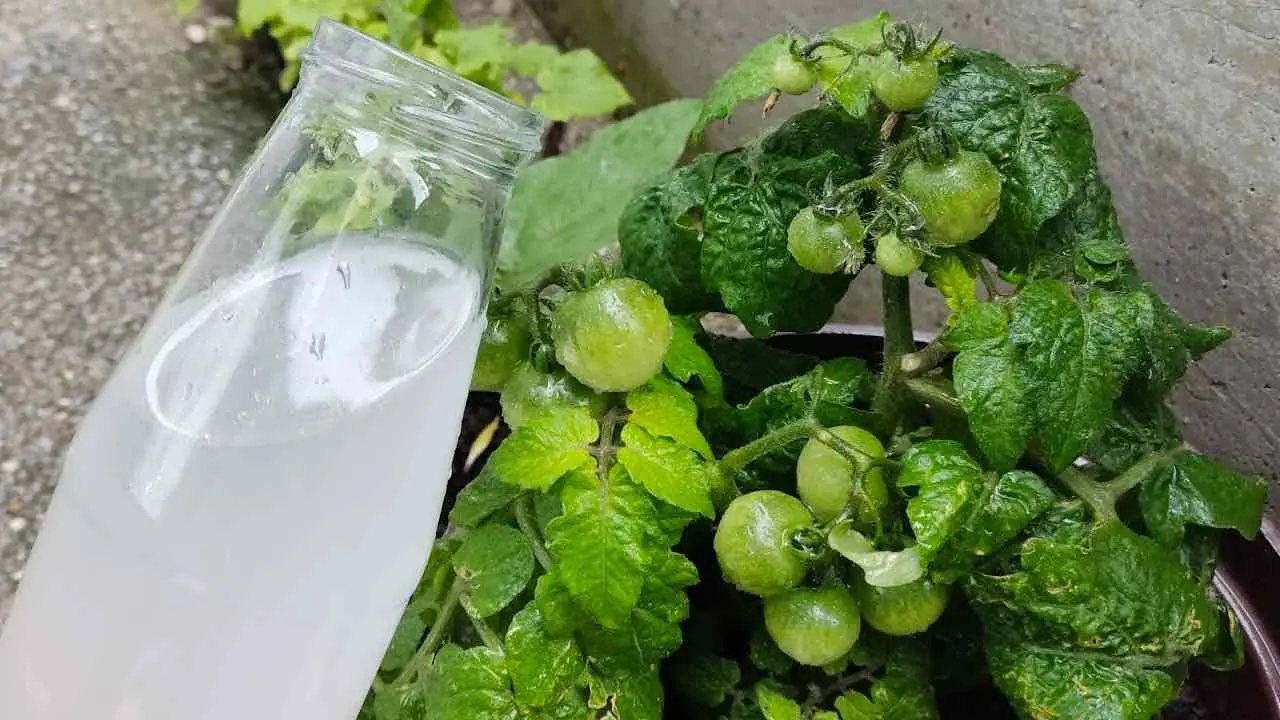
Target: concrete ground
<point>121,136</point>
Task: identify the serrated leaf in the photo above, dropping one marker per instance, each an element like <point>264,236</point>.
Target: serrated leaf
<point>529,59</point>
<point>632,696</point>
<point>599,543</point>
<point>751,77</point>
<point>560,615</point>
<point>543,667</point>
<point>1041,143</point>
<point>961,513</point>
<point>706,680</point>
<point>774,705</point>
<point>990,383</point>
<point>1170,344</point>
<point>652,632</point>
<point>545,448</point>
<point>847,80</point>
<point>904,693</point>
<point>477,49</point>
<point>1194,489</point>
<point>955,276</point>
<point>670,471</point>
<point>660,235</point>
<point>578,84</point>
<point>686,359</point>
<point>1138,427</point>
<point>468,685</point>
<point>754,196</point>
<point>1077,354</point>
<point>665,409</point>
<point>481,498</point>
<point>496,563</point>
<point>566,207</point>
<point>880,568</point>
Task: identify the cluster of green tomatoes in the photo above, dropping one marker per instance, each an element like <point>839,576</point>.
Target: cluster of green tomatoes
<point>955,192</point>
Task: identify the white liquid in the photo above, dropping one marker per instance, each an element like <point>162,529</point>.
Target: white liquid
<point>250,502</point>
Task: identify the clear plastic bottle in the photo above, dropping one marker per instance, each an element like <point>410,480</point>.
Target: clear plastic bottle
<point>251,499</point>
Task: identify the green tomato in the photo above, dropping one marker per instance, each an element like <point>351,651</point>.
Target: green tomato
<point>813,626</point>
<point>896,257</point>
<point>530,391</point>
<point>818,244</point>
<point>792,75</point>
<point>824,477</point>
<point>753,542</point>
<point>612,336</point>
<point>904,85</point>
<point>902,610</point>
<point>959,198</point>
<point>504,344</point>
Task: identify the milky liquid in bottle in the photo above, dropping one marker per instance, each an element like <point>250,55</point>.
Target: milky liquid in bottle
<point>248,505</point>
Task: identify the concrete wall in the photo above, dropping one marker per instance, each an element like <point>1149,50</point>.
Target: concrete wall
<point>1185,102</point>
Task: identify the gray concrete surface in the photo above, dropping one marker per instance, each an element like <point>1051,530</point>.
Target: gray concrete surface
<point>1183,97</point>
<point>119,142</point>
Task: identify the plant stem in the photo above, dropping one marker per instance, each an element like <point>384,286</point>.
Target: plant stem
<point>444,619</point>
<point>922,361</point>
<point>524,518</point>
<point>935,393</point>
<point>988,282</point>
<point>898,341</point>
<point>859,458</point>
<point>490,638</point>
<point>1093,493</point>
<point>1135,475</point>
<point>738,458</point>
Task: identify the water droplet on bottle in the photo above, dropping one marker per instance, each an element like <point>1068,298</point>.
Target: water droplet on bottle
<point>188,390</point>
<point>317,346</point>
<point>228,315</point>
<point>344,271</point>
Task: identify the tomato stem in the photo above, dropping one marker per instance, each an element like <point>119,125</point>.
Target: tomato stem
<point>735,460</point>
<point>936,393</point>
<point>922,361</point>
<point>524,518</point>
<point>989,282</point>
<point>490,638</point>
<point>1096,495</point>
<point>422,658</point>
<point>898,341</point>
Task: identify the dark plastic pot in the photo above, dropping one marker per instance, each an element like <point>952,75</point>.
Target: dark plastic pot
<point>1248,576</point>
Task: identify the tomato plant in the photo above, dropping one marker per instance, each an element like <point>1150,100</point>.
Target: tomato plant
<point>681,525</point>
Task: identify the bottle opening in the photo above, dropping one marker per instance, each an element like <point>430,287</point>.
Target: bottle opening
<point>425,92</point>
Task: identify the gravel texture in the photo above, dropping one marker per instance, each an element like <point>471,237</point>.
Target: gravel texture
<point>124,128</point>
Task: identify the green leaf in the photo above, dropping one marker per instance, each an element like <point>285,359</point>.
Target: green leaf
<point>253,14</point>
<point>600,543</point>
<point>467,685</point>
<point>686,359</point>
<point>186,7</point>
<point>1044,684</point>
<point>481,498</point>
<point>633,696</point>
<point>438,15</point>
<point>660,234</point>
<point>751,77</point>
<point>845,79</point>
<point>880,568</point>
<point>652,631</point>
<point>754,195</point>
<point>1049,77</point>
<point>578,84</point>
<point>496,562</point>
<point>904,693</point>
<point>1092,622</point>
<point>667,410</point>
<point>1170,343</point>
<point>774,705</point>
<point>306,13</point>
<point>564,208</point>
<point>545,448</point>
<point>990,384</point>
<point>707,680</point>
<point>962,514</point>
<point>1077,355</point>
<point>478,49</point>
<point>949,483</point>
<point>560,615</point>
<point>1194,489</point>
<point>404,643</point>
<point>1041,143</point>
<point>543,667</point>
<point>670,471</point>
<point>955,276</point>
<point>528,59</point>
<point>404,22</point>
<point>1085,241</point>
<point>1138,427</point>
<point>754,365</point>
